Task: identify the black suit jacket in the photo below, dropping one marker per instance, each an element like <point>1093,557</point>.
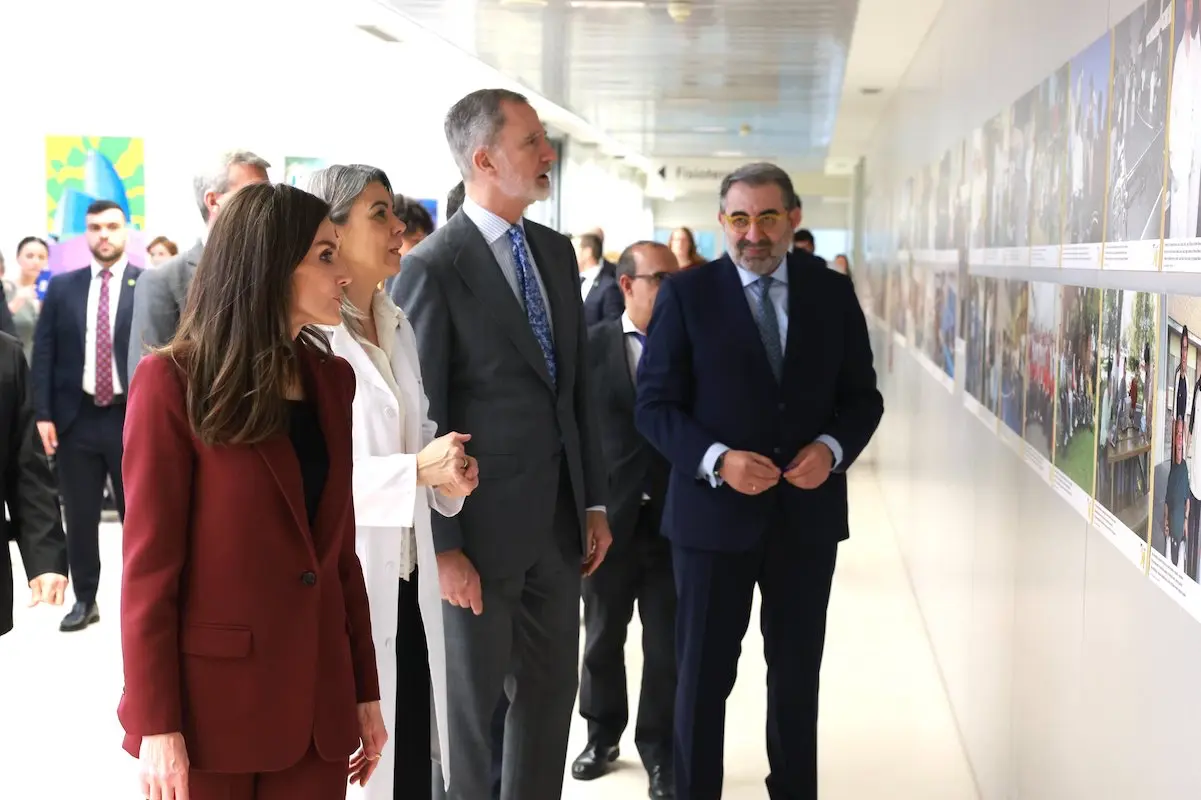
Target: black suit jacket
<point>605,300</point>
<point>27,487</point>
<point>59,342</point>
<point>7,325</point>
<point>705,379</point>
<point>632,464</point>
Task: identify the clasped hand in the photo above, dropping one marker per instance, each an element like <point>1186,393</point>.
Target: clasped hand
<point>752,474</point>
<point>445,465</point>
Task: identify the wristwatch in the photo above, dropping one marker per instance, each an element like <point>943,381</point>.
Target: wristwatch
<point>718,464</point>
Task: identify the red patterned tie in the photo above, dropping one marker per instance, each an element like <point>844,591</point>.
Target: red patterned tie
<point>104,345</point>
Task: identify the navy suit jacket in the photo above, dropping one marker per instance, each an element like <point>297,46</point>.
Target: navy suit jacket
<point>605,300</point>
<point>59,342</point>
<point>704,378</point>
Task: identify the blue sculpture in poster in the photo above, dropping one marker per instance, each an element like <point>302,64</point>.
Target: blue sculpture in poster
<point>100,182</point>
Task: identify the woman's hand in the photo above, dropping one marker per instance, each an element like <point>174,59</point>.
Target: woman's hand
<point>163,767</point>
<point>442,459</point>
<point>373,737</point>
<point>465,481</point>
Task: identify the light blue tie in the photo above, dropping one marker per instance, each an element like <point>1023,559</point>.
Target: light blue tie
<point>535,309</point>
<point>769,325</point>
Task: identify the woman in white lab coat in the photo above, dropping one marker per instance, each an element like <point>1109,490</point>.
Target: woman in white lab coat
<point>400,472</point>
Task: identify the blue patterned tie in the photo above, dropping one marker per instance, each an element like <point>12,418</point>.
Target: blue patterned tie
<point>535,309</point>
<point>769,325</point>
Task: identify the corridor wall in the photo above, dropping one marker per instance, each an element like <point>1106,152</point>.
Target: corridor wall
<point>1030,252</point>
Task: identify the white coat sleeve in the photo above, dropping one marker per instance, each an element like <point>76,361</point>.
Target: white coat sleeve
<point>446,506</point>
<point>385,490</point>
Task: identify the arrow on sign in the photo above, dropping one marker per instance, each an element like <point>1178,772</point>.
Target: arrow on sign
<point>663,173</point>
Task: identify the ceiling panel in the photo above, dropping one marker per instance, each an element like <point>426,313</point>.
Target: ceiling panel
<point>686,78</point>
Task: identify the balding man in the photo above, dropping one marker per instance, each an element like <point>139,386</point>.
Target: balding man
<point>638,568</point>
<point>163,292</point>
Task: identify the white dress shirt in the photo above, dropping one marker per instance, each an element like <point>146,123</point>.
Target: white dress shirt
<point>115,285</point>
<point>495,230</point>
<point>588,280</point>
<point>633,344</point>
<point>778,293</point>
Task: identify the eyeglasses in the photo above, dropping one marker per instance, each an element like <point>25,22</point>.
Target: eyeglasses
<point>767,221</point>
<point>655,277</point>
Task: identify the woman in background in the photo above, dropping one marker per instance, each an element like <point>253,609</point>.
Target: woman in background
<point>683,245</point>
<point>398,465</point>
<point>33,256</point>
<point>161,249</point>
<point>245,629</point>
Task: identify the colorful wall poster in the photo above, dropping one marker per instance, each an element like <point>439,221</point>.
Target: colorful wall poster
<point>1000,233</point>
<point>1020,163</point>
<point>1176,509</point>
<point>1142,53</point>
<point>1042,331</point>
<point>979,216</point>
<point>297,169</point>
<point>1012,321</point>
<point>979,393</point>
<point>81,170</point>
<point>1048,171</point>
<point>1124,424</point>
<point>1182,220</point>
<point>1087,151</point>
<point>1075,441</point>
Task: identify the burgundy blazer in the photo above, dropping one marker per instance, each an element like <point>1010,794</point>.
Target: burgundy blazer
<point>240,626</point>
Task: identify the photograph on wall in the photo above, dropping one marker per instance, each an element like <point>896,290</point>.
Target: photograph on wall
<point>1182,220</point>
<point>1012,311</point>
<point>81,170</point>
<point>1048,173</point>
<point>1087,153</point>
<point>1142,53</point>
<point>297,169</point>
<point>1000,179</point>
<point>1020,162</point>
<point>981,325</point>
<point>917,323</point>
<point>1176,507</point>
<point>898,296</point>
<point>1075,453</point>
<point>1042,330</point>
<point>1124,424</point>
<point>942,286</point>
<point>979,216</point>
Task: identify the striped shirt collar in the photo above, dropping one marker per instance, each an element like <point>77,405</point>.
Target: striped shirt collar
<point>491,226</point>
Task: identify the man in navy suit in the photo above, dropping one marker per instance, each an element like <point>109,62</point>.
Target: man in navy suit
<point>80,376</point>
<point>757,385</point>
<point>603,300</point>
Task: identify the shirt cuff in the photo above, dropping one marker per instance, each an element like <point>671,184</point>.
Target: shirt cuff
<point>596,508</point>
<point>835,448</point>
<point>705,472</point>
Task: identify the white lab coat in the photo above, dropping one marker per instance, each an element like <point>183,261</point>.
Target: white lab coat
<point>387,501</point>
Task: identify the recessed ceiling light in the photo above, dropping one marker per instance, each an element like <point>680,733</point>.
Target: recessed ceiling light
<point>729,154</point>
<point>869,90</point>
<point>378,33</point>
<point>709,129</point>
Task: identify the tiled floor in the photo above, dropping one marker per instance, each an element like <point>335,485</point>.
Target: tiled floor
<point>887,730</point>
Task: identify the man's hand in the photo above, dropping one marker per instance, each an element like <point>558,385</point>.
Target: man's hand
<point>459,581</point>
<point>811,466</point>
<point>49,436</point>
<point>749,473</point>
<point>600,539</point>
<point>47,588</point>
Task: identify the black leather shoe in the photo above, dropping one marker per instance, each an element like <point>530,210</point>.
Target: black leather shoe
<point>80,616</point>
<point>594,762</point>
<point>663,782</point>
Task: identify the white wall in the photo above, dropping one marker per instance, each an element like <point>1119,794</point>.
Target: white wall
<point>1060,658</point>
<point>600,192</point>
<point>280,77</point>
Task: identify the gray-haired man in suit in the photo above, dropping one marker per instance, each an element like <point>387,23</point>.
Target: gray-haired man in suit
<point>495,303</point>
<point>163,291</point>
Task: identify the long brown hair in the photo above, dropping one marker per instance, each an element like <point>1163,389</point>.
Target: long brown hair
<point>235,344</point>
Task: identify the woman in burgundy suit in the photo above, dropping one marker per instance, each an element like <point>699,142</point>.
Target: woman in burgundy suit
<point>249,666</point>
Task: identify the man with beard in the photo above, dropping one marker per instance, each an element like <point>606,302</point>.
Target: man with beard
<point>757,385</point>
<point>79,382</point>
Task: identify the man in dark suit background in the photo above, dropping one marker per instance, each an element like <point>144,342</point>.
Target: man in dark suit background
<point>757,384</point>
<point>27,489</point>
<point>163,291</point>
<point>598,281</point>
<point>803,240</point>
<point>638,567</point>
<point>79,383</point>
<point>494,301</point>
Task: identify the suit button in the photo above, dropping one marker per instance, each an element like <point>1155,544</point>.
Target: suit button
<point>390,568</point>
<point>391,412</point>
<point>308,578</point>
<point>776,450</point>
<point>780,407</point>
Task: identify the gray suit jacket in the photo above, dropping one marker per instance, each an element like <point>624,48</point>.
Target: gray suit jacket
<point>484,374</point>
<point>159,302</point>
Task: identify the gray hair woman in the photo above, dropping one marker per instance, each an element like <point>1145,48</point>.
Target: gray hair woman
<point>401,471</point>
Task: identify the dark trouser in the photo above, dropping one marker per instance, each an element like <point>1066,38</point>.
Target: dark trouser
<point>526,642</point>
<point>637,569</point>
<point>89,453</point>
<point>498,743</point>
<point>412,735</point>
<point>715,592</point>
